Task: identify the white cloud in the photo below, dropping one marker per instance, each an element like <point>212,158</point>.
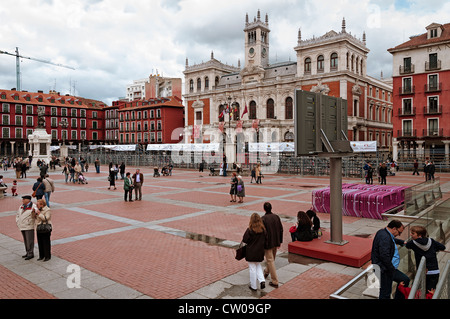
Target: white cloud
<point>113,42</point>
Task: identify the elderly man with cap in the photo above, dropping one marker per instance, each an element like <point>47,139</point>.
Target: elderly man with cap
<point>25,221</point>
<point>138,181</point>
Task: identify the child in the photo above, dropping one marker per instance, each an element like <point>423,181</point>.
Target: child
<point>14,188</point>
<point>423,246</point>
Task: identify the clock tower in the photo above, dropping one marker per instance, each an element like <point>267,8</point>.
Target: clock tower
<point>257,42</point>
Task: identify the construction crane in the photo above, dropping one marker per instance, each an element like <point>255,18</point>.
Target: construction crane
<point>18,56</point>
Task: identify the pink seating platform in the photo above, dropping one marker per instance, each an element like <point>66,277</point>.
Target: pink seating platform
<point>361,200</point>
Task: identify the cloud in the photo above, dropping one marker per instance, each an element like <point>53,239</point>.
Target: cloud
<point>113,42</point>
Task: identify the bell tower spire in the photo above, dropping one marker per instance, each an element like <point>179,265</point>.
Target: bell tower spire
<point>257,41</point>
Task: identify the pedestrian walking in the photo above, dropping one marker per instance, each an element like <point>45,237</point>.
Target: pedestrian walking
<point>128,187</point>
<point>258,174</point>
<point>39,188</point>
<point>416,168</point>
<point>274,228</point>
<point>25,223</point>
<point>233,187</point>
<point>383,173</point>
<point>240,189</point>
<point>122,170</point>
<point>423,246</point>
<point>66,172</point>
<point>112,176</point>
<point>253,175</point>
<point>49,188</point>
<point>97,165</point>
<point>43,216</point>
<point>431,171</point>
<point>138,181</point>
<point>385,255</point>
<point>255,237</point>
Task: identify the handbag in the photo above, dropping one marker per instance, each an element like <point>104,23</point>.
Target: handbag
<point>44,228</point>
<point>241,251</point>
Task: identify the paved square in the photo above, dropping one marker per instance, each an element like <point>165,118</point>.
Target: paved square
<point>177,242</point>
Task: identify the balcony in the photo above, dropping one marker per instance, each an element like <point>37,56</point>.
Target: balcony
<point>433,132</point>
<point>407,111</point>
<point>432,65</point>
<point>432,110</point>
<point>406,133</point>
<point>406,90</point>
<point>406,69</point>
<point>435,87</point>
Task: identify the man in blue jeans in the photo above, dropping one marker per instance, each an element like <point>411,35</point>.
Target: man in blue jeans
<point>385,255</point>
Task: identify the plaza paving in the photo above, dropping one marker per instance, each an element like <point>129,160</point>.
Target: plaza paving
<point>178,242</point>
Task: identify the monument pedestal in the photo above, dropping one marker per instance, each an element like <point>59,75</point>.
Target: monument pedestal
<point>40,142</point>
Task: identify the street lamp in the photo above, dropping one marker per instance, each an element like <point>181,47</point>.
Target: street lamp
<point>64,124</point>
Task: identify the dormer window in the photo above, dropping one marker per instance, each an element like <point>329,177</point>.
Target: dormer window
<point>434,30</point>
<point>433,33</point>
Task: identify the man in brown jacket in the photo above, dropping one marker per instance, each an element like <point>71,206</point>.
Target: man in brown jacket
<point>138,180</point>
<point>274,230</point>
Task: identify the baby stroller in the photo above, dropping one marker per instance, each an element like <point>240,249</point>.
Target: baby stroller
<point>82,179</point>
<point>156,172</point>
<point>212,171</point>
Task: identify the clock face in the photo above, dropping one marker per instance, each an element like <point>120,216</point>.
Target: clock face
<point>251,52</point>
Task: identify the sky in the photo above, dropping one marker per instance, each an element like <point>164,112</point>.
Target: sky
<point>110,43</point>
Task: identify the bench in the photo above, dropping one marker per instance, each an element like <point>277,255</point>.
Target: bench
<point>1,191</point>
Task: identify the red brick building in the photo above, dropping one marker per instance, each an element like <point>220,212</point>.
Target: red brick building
<point>421,79</point>
<point>148,121</point>
<point>84,117</point>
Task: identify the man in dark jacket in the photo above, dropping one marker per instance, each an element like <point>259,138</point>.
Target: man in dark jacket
<point>274,230</point>
<point>385,255</point>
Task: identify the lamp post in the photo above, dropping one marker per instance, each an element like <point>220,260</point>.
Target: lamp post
<point>63,150</point>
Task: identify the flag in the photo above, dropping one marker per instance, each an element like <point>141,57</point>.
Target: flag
<point>221,115</point>
<point>245,111</point>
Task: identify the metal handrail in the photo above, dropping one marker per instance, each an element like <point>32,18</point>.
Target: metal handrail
<point>444,282</point>
<point>419,284</point>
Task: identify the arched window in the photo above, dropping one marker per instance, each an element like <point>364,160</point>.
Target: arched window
<point>308,65</point>
<point>236,111</point>
<point>288,112</point>
<point>270,109</point>
<point>320,63</point>
<point>191,85</point>
<point>206,83</point>
<point>289,137</point>
<point>221,113</point>
<point>199,84</point>
<point>216,81</point>
<point>252,110</point>
<point>334,61</point>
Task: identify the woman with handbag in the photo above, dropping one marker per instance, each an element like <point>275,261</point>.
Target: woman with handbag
<point>233,188</point>
<point>38,189</point>
<point>43,229</point>
<point>255,237</point>
<point>240,189</point>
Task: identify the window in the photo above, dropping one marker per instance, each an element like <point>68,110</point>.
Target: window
<point>288,113</point>
<point>29,121</point>
<point>308,65</point>
<point>94,135</point>
<point>199,84</point>
<point>206,83</point>
<point>18,109</point>
<point>407,65</point>
<point>19,120</point>
<point>54,122</point>
<point>432,82</point>
<point>191,85</point>
<point>270,109</point>
<point>5,119</point>
<point>82,123</point>
<point>94,114</point>
<point>334,61</point>
<point>63,112</point>
<point>433,104</point>
<point>74,135</point>
<point>159,137</point>
<point>433,127</point>
<point>407,128</point>
<point>159,126</point>
<point>74,123</point>
<point>407,107</point>
<point>73,112</point>
<point>158,113</point>
<point>29,109</point>
<point>407,85</point>
<point>5,132</point>
<point>198,117</point>
<point>5,108</point>
<point>82,113</point>
<point>433,33</point>
<point>94,125</point>
<point>54,134</point>
<point>252,111</point>
<point>320,63</point>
